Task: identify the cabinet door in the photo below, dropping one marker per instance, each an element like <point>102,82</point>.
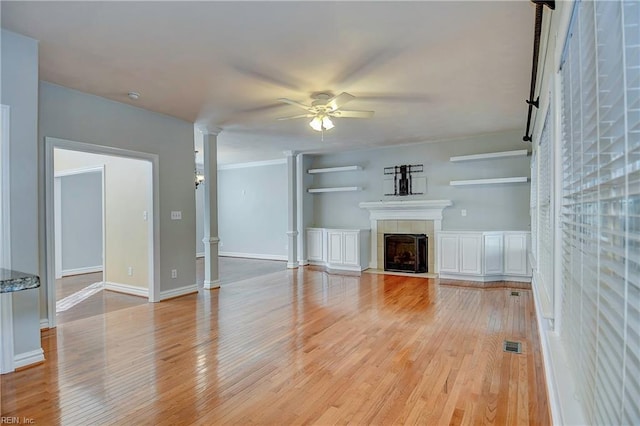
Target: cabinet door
<point>515,254</point>
<point>334,240</point>
<point>470,254</point>
<point>448,253</point>
<point>351,248</point>
<point>493,254</point>
<point>314,244</point>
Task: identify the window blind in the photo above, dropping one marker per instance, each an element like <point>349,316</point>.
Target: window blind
<point>600,209</point>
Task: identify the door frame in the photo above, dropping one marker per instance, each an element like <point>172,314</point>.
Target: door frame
<point>153,222</point>
<point>58,213</point>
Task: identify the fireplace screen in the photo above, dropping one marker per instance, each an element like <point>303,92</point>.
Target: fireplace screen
<point>405,252</point>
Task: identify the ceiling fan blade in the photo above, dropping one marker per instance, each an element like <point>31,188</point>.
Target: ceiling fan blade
<point>352,114</point>
<point>339,100</point>
<point>295,103</point>
<point>296,116</point>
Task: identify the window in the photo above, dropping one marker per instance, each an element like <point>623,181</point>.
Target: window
<point>601,208</point>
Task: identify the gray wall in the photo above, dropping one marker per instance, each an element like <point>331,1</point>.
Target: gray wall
<point>73,115</point>
<point>81,217</point>
<point>252,211</point>
<point>20,92</point>
<point>489,207</point>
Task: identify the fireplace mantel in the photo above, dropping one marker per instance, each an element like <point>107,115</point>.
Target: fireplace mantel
<point>406,210</point>
<point>428,210</point>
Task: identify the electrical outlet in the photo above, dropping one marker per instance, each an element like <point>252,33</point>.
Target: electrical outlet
<point>145,215</point>
<point>463,212</point>
<point>176,215</point>
<point>174,273</point>
<point>130,270</point>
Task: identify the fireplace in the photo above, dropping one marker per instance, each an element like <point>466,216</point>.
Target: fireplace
<point>405,252</point>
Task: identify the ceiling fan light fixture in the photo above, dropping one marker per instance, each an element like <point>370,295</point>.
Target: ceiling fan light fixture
<point>327,123</point>
<point>316,124</point>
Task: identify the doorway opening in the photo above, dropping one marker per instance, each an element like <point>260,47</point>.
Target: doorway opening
<point>100,207</point>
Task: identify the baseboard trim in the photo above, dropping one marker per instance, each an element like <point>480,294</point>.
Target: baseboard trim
<point>28,358</point>
<point>44,323</point>
<point>211,285</point>
<point>80,271</point>
<point>177,292</point>
<point>126,289</point>
<point>253,255</point>
<point>486,278</point>
<point>201,254</point>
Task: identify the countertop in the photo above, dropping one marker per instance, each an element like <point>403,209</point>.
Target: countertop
<point>11,281</point>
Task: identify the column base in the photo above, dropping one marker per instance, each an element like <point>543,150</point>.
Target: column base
<point>292,265</point>
<point>211,285</point>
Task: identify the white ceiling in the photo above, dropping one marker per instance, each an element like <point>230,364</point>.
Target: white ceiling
<point>429,70</point>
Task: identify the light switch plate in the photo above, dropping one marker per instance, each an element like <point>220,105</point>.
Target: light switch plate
<point>176,215</point>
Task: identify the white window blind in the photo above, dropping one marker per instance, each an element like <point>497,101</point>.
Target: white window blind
<point>545,215</point>
<point>601,208</point>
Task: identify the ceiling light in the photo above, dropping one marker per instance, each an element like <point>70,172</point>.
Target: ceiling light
<point>133,95</point>
<point>327,123</point>
<point>321,123</point>
<point>316,124</point>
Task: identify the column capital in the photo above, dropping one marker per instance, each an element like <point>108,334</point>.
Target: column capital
<point>208,129</point>
<point>290,153</point>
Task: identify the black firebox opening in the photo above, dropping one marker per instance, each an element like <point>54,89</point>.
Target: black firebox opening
<point>405,252</point>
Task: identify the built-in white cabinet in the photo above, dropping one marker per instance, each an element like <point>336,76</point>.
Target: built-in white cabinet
<point>339,249</point>
<point>484,256</point>
<point>315,244</point>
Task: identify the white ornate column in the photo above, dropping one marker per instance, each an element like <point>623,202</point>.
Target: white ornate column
<point>210,240</point>
<point>292,211</point>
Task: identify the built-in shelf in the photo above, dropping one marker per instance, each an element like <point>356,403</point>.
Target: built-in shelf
<point>488,155</point>
<point>334,169</point>
<point>517,179</point>
<point>337,189</point>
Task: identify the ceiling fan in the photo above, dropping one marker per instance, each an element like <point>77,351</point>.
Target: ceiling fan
<point>323,108</point>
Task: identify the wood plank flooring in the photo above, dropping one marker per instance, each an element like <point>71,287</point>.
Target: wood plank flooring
<point>293,347</point>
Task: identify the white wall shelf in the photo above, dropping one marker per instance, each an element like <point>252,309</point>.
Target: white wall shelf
<point>337,189</point>
<point>489,155</point>
<point>334,169</point>
<point>518,179</point>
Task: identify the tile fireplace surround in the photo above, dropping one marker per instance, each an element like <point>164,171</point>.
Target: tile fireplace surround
<point>404,217</point>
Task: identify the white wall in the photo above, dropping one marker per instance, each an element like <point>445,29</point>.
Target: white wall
<point>20,92</point>
<point>252,211</point>
<point>81,220</point>
<point>76,116</point>
<point>489,207</point>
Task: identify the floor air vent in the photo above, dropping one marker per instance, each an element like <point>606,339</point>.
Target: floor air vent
<point>513,347</point>
<point>515,293</point>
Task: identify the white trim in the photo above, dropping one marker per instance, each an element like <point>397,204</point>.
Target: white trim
<point>80,271</point>
<point>254,255</point>
<point>486,278</point>
<point>154,223</point>
<point>177,292</point>
<point>28,358</point>
<point>79,171</point>
<point>517,179</point>
<point>5,187</point>
<point>406,210</point>
<point>488,155</point>
<point>57,213</point>
<point>199,254</point>
<point>6,333</point>
<point>44,323</point>
<point>126,289</point>
<point>211,285</point>
<point>253,164</point>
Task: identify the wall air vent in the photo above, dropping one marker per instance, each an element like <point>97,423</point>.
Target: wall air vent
<point>515,293</point>
<point>513,347</point>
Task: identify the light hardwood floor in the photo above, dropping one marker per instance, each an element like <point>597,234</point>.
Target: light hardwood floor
<point>294,347</point>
